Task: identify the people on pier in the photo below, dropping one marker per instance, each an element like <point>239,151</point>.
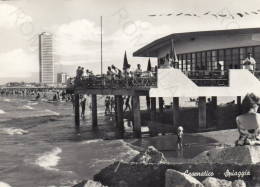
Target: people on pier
<point>78,73</point>
<point>249,122</point>
<point>138,71</point>
<point>107,104</point>
<point>167,62</point>
<point>110,74</point>
<point>249,63</point>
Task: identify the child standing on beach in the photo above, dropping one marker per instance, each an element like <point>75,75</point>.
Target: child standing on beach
<point>179,137</point>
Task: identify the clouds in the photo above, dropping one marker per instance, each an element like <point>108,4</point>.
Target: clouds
<point>18,63</point>
<point>76,41</point>
<point>12,16</point>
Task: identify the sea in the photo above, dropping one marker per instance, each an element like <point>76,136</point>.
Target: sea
<point>40,146</point>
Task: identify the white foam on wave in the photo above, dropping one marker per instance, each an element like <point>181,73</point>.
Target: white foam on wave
<point>122,151</point>
<point>91,141</point>
<point>130,152</point>
<point>49,159</point>
<point>6,100</point>
<point>2,184</point>
<point>52,112</point>
<point>34,103</point>
<point>26,107</point>
<point>12,131</point>
<point>2,112</point>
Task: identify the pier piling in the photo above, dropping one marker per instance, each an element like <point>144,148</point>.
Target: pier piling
<point>94,110</point>
<point>120,113</point>
<point>176,112</point>
<point>77,121</point>
<point>153,109</point>
<point>161,105</point>
<point>202,113</point>
<point>137,116</point>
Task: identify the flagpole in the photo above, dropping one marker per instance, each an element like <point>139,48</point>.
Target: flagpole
<point>101,52</point>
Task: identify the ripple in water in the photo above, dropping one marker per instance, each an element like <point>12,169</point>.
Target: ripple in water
<point>2,112</point>
<point>26,107</point>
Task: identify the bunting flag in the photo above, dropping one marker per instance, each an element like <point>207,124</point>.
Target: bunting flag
<point>216,15</point>
<point>149,67</point>
<point>125,65</point>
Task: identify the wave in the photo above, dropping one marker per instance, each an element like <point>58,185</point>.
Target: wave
<point>6,100</point>
<point>34,103</point>
<point>26,107</point>
<point>49,159</point>
<point>52,112</point>
<point>2,184</point>
<point>12,131</point>
<point>91,141</point>
<point>2,112</point>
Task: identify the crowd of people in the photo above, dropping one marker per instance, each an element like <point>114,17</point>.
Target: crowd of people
<point>53,94</point>
<point>110,104</point>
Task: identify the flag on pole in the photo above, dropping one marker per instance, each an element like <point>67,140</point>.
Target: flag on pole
<point>149,67</point>
<point>173,55</point>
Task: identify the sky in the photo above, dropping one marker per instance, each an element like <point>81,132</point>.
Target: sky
<point>127,26</point>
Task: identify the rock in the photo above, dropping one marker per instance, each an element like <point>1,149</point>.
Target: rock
<point>178,179</point>
<point>238,183</point>
<point>230,155</point>
<point>151,155</point>
<point>214,182</point>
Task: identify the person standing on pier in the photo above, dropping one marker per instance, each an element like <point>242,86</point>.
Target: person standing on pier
<point>167,62</point>
<point>249,63</point>
<point>138,71</point>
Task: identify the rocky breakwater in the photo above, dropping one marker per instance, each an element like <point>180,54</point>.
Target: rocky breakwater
<point>230,166</point>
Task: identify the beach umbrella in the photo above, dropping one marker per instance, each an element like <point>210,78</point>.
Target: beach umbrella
<point>125,65</point>
<point>149,67</point>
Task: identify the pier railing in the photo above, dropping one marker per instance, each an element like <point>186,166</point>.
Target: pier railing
<point>98,81</point>
<point>199,77</point>
<point>208,78</point>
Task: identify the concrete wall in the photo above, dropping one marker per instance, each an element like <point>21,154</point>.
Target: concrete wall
<point>174,83</point>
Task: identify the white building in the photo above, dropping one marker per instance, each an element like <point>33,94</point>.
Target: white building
<point>62,78</point>
<point>46,58</point>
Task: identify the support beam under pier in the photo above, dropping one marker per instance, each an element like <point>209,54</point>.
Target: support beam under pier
<point>202,113</point>
<point>94,110</point>
<point>120,113</point>
<point>161,104</point>
<point>153,109</point>
<point>137,116</point>
<point>77,122</point>
<point>176,112</point>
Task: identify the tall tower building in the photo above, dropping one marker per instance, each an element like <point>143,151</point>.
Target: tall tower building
<point>46,58</point>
